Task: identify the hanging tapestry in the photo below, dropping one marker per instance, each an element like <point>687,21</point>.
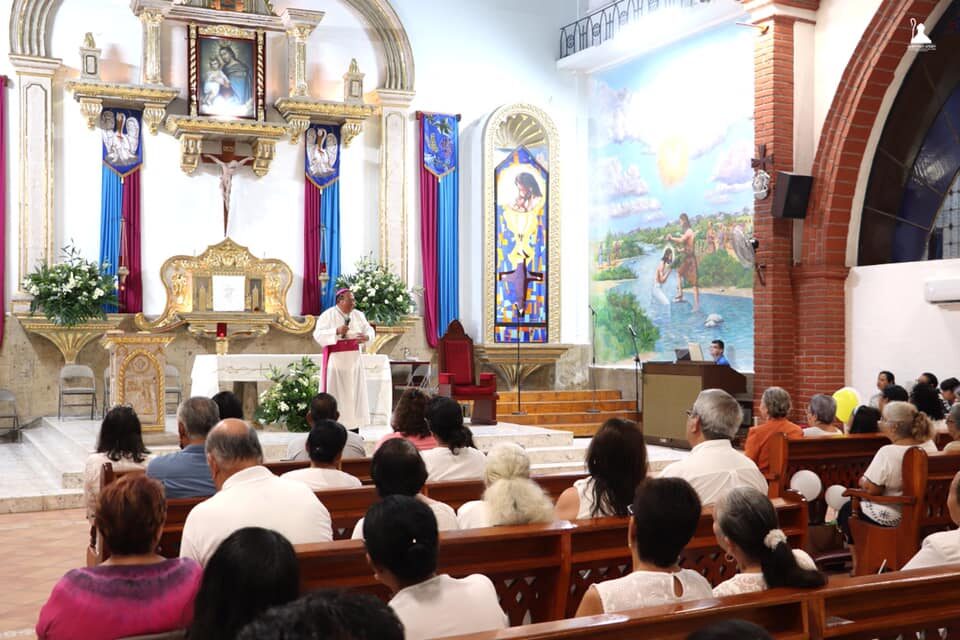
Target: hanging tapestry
<point>439,225</point>
<point>521,196</point>
<point>3,195</point>
<point>321,219</point>
<point>120,131</point>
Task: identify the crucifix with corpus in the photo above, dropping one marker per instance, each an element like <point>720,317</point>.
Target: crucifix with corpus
<point>229,163</point>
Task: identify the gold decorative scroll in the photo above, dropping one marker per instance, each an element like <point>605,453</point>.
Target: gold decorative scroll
<point>188,281</point>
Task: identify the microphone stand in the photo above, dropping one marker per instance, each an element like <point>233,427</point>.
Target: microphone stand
<point>593,358</point>
<point>636,366</point>
<point>518,314</point>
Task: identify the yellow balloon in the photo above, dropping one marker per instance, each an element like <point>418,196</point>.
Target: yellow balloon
<point>847,401</point>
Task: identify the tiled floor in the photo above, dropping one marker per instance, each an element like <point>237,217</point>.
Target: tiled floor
<point>37,549</point>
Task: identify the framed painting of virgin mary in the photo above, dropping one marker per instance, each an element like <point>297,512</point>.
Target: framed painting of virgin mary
<point>226,72</point>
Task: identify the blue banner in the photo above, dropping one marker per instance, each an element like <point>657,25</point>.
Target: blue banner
<point>121,131</point>
<point>322,158</point>
<point>440,143</point>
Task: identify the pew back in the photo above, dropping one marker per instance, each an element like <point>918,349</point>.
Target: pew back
<point>836,460</point>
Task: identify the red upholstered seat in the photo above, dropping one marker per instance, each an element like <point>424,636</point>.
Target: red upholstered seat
<point>457,379</point>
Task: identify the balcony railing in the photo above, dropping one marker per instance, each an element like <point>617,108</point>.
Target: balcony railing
<point>605,23</point>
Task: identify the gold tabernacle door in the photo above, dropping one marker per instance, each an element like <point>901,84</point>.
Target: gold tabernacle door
<point>226,285</point>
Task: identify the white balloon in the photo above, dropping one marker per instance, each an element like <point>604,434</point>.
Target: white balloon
<point>807,483</point>
<point>834,496</point>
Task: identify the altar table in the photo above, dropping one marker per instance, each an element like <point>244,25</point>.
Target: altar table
<point>210,370</point>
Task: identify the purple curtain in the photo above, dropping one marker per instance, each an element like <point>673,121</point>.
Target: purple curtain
<point>131,299</point>
<point>311,249</point>
<point>3,199</point>
<point>428,248</point>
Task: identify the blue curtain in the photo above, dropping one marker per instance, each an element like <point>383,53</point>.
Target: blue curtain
<point>448,268</point>
<point>110,213</point>
<point>330,218</point>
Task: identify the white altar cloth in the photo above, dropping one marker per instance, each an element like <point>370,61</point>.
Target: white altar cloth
<point>209,370</point>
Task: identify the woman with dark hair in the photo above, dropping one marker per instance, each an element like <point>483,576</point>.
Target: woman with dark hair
<point>865,420</point>
<point>229,405</point>
<point>401,537</point>
<point>120,442</point>
<point>665,516</point>
<point>398,470</point>
<point>746,526</point>
<point>456,457</point>
<point>251,571</point>
<point>926,398</point>
<point>617,462</point>
<point>325,449</point>
<point>336,614</point>
<point>410,422</point>
<point>135,592</point>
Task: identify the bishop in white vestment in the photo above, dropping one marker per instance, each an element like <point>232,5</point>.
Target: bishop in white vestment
<point>346,380</point>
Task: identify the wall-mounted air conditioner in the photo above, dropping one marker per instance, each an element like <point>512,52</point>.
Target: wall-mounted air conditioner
<point>942,291</point>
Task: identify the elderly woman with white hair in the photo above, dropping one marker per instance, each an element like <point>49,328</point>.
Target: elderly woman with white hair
<point>511,496</point>
<point>774,409</point>
<point>821,416</point>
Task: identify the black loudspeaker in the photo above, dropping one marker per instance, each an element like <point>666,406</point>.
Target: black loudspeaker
<point>791,195</point>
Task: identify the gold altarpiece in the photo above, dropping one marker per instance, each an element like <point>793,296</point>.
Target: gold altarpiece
<point>190,281</point>
<point>137,375</point>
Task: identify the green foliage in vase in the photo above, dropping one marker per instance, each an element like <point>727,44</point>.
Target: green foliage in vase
<point>72,291</point>
<point>380,294</point>
<point>288,399</point>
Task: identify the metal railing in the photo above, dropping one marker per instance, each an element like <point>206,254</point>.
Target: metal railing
<point>605,23</point>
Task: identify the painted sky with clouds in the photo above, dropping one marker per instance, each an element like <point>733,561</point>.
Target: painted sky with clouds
<point>672,132</point>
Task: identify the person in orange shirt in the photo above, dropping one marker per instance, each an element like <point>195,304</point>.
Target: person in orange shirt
<point>774,408</point>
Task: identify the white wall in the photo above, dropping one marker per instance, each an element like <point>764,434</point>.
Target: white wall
<point>890,326</point>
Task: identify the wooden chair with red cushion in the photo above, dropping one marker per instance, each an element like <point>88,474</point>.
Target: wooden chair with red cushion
<point>457,379</point>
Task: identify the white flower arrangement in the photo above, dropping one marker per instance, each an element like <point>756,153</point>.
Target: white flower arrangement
<point>287,400</point>
<point>72,291</point>
<point>379,293</point>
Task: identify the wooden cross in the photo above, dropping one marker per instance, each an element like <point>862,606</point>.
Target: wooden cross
<point>229,162</point>
<point>763,161</point>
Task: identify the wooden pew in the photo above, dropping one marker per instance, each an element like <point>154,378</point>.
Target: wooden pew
<point>926,483</point>
<point>357,467</point>
<point>837,460</point>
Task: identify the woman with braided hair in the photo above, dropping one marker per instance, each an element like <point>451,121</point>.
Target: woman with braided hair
<point>746,526</point>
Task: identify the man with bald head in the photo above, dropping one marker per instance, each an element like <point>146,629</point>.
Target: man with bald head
<point>249,495</point>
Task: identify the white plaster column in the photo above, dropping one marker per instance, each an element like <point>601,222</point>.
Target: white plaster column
<point>394,149</point>
<point>299,24</point>
<point>151,14</point>
<point>35,147</point>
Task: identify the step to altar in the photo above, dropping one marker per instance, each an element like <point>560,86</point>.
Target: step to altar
<point>579,411</point>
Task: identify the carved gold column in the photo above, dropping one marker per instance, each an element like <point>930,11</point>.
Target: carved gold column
<point>395,106</point>
<point>299,24</point>
<point>151,14</point>
<point>35,80</point>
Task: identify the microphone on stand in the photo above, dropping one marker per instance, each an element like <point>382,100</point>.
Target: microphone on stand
<point>631,330</point>
<point>636,364</point>
<point>593,358</point>
<point>593,311</point>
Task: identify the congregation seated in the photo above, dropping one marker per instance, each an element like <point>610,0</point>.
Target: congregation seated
<point>731,630</point>
<point>665,516</point>
<point>324,446</point>
<point>409,421</point>
<point>327,613</point>
<point>617,463</point>
<point>253,570</point>
<point>821,417</point>
<point>942,547</point>
<point>953,428</point>
<point>229,405</point>
<point>926,398</point>
<point>906,427</point>
<point>249,495</point>
<point>774,408</point>
<point>398,470</point>
<point>884,379</point>
<point>185,474</point>
<point>948,391</point>
<point>136,591</point>
<point>865,420</point>
<point>402,540</point>
<point>510,497</point>
<point>747,528</point>
<point>323,406</point>
<point>455,457</point>
<point>892,393</point>
<point>714,466</point>
<point>119,442</point>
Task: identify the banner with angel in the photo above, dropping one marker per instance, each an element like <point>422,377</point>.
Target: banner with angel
<point>321,166</point>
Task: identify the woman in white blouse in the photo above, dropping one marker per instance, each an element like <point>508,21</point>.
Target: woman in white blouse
<point>821,414</point>
<point>746,526</point>
<point>943,547</point>
<point>398,470</point>
<point>665,516</point>
<point>455,457</point>
<point>325,448</point>
<point>120,442</point>
<point>511,497</point>
<point>401,537</point>
<point>906,427</point>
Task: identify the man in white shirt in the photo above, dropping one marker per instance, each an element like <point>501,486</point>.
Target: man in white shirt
<point>943,547</point>
<point>344,374</point>
<point>324,407</point>
<point>714,466</point>
<point>249,495</point>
